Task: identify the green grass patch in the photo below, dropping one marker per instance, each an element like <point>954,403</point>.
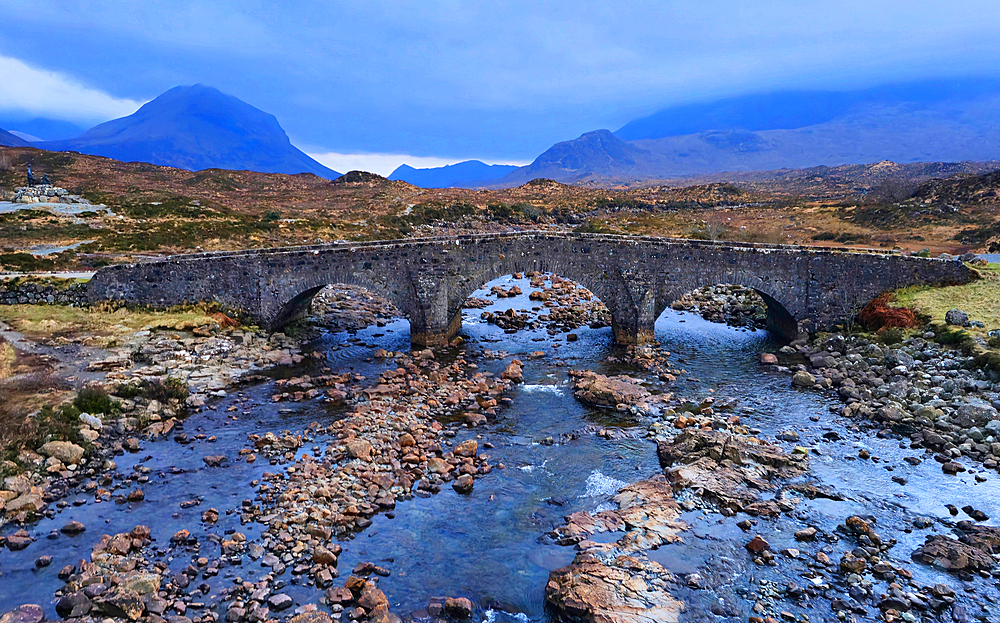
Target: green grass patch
<point>45,321</point>
<point>978,298</point>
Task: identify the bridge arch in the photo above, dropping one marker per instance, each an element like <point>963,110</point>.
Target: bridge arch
<point>298,294</point>
<point>779,319</point>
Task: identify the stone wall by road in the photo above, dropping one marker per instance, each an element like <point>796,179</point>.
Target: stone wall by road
<point>36,294</point>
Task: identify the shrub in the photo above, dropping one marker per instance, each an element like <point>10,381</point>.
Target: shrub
<point>960,338</point>
<point>95,400</point>
<point>879,315</point>
<point>988,361</point>
<point>593,227</point>
<point>891,335</point>
<point>153,389</point>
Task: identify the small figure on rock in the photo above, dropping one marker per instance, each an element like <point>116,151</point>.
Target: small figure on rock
<point>45,180</point>
<point>31,177</point>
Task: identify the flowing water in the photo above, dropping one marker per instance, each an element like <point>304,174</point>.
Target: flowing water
<point>490,545</point>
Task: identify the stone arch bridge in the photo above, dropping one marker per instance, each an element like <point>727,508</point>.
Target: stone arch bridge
<point>429,279</point>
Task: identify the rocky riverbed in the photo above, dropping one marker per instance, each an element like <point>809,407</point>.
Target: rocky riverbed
<point>726,303</point>
<point>339,475</point>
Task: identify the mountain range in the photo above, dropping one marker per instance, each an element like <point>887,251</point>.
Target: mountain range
<point>36,129</point>
<point>197,127</point>
<point>921,122</point>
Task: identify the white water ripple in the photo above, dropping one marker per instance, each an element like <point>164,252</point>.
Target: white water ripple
<point>491,616</point>
<point>600,485</point>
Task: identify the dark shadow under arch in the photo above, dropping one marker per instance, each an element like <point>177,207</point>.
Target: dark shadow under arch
<point>779,320</point>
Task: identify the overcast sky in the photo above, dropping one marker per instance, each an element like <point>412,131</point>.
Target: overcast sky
<point>446,81</point>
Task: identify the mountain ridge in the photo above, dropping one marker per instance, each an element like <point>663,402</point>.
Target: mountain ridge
<point>466,174</point>
<point>9,140</point>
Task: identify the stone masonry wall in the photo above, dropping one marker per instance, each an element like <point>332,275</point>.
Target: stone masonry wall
<point>36,293</point>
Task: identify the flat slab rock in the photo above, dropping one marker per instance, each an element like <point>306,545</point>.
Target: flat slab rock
<point>731,470</point>
<point>953,555</point>
<point>646,512</point>
<point>608,391</point>
<point>974,551</point>
<point>622,589</point>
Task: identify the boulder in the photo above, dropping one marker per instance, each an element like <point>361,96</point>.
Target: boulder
<point>953,555</point>
<point>359,449</point>
<point>513,372</point>
<point>67,452</point>
<point>142,583</point>
<point>30,502</point>
<point>280,602</point>
<point>28,613</point>
<point>122,603</point>
<point>467,448</point>
<point>600,390</point>
<point>73,605</point>
<point>757,545</point>
<point>72,528</point>
<point>463,484</point>
<point>970,415</point>
<point>956,317</point>
<point>803,379</point>
<point>458,607</point>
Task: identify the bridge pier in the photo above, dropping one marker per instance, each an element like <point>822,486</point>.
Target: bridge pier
<point>633,313</point>
<point>632,333</point>
<point>433,336</point>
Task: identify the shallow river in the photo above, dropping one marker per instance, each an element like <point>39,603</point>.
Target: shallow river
<point>490,545</point>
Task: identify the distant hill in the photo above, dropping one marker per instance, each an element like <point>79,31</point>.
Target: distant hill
<point>919,122</point>
<point>468,174</point>
<point>42,129</point>
<point>964,190</point>
<point>9,140</point>
<point>594,155</point>
<point>195,128</point>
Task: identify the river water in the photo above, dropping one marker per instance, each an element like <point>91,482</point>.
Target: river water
<point>490,546</point>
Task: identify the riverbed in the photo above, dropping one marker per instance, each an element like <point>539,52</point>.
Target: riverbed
<point>491,545</point>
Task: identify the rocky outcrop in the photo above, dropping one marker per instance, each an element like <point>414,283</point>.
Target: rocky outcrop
<point>619,589</point>
<point>728,469</point>
<point>646,511</point>
<point>615,582</point>
<point>954,555</point>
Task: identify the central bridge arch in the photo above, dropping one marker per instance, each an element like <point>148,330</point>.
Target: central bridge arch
<point>429,279</point>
